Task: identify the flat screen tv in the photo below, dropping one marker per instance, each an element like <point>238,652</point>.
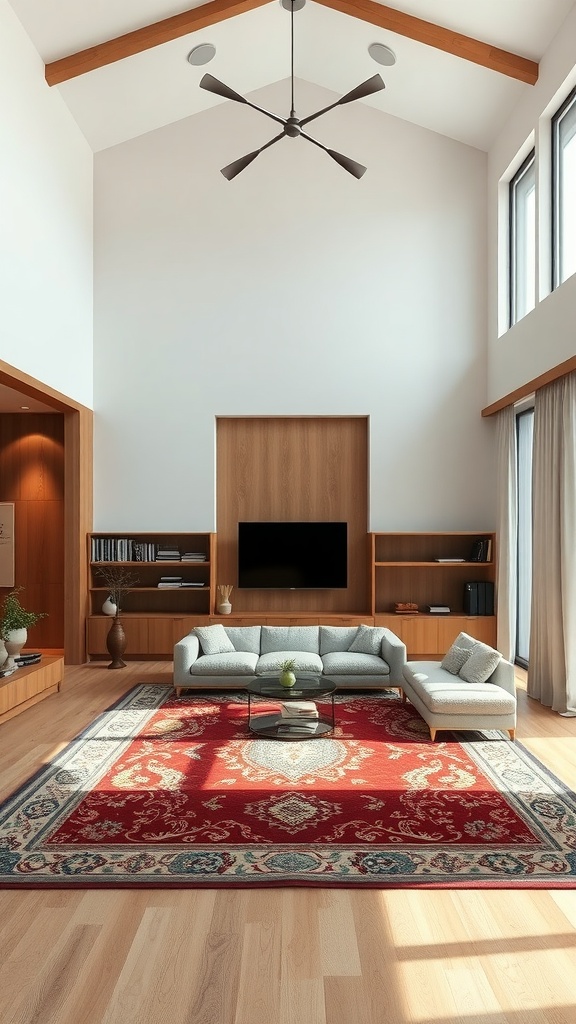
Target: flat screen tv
<point>293,556</point>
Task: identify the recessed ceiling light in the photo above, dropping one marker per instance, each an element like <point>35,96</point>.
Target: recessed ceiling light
<point>201,54</point>
<point>382,54</point>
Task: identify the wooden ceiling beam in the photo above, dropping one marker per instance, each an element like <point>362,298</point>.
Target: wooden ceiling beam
<point>388,18</point>
<point>441,38</point>
<point>146,38</point>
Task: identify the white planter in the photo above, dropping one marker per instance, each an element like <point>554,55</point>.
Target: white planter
<point>14,642</point>
<point>109,608</point>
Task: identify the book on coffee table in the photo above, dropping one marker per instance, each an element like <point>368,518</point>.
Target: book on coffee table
<point>299,709</point>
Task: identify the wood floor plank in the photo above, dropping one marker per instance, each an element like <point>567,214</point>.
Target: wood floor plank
<point>292,956</point>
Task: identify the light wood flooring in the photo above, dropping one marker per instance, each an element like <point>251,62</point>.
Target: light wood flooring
<point>287,956</point>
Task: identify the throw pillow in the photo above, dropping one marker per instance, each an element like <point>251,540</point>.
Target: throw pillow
<point>214,640</point>
<point>368,640</point>
<point>454,658</point>
<point>480,665</point>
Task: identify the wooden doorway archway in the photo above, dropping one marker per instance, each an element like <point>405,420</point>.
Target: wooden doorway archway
<point>78,432</point>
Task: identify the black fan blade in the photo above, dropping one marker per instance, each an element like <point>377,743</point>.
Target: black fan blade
<point>374,84</point>
<point>214,85</point>
<point>349,165</point>
<point>234,168</point>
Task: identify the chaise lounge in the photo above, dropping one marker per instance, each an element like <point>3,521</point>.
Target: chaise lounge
<point>472,688</point>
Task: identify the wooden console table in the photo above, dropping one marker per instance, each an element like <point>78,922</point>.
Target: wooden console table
<point>26,686</point>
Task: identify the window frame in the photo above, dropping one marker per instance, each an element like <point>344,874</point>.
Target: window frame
<point>556,190</point>
<point>520,174</point>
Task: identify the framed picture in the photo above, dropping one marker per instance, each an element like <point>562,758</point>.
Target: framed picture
<point>6,543</point>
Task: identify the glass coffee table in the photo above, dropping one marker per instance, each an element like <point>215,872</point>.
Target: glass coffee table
<point>274,724</point>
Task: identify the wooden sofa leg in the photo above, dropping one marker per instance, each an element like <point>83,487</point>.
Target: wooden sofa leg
<point>432,733</point>
<point>512,734</point>
<point>178,690</point>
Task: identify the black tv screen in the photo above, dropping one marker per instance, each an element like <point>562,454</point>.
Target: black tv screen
<point>292,556</point>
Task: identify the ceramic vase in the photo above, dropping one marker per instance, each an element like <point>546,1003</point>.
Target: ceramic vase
<point>224,608</point>
<point>287,679</point>
<point>14,643</point>
<point>3,654</point>
<point>116,643</point>
<point>109,608</point>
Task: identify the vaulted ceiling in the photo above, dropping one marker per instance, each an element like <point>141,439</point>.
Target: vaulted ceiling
<point>122,68</point>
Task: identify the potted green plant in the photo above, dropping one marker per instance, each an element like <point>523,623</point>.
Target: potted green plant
<point>15,623</point>
<point>287,676</point>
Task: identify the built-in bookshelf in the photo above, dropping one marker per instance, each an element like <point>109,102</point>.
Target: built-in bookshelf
<point>173,589</point>
<point>424,571</point>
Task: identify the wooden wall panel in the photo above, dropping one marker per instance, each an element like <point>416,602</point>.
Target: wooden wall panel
<point>293,469</point>
<point>32,476</point>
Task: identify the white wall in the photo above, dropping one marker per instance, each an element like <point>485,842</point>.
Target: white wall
<point>546,336</point>
<point>294,289</point>
<point>45,224</point>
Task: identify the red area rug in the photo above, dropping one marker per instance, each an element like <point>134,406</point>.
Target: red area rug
<point>161,791</point>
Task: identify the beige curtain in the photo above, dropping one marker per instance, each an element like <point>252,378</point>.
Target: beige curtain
<point>552,664</point>
<point>507,527</point>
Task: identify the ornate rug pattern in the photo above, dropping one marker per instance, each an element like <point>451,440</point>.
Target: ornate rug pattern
<point>161,791</point>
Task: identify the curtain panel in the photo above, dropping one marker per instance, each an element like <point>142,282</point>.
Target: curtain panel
<point>552,663</point>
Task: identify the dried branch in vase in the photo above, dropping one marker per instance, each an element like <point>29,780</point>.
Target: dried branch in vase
<point>118,581</point>
<point>224,591</point>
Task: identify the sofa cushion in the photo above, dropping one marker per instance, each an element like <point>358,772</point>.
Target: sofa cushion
<point>289,638</point>
<point>336,638</point>
<point>349,663</point>
<point>480,665</point>
<point>445,694</point>
<point>368,640</point>
<point>213,639</point>
<point>271,663</point>
<point>236,663</point>
<point>244,638</point>
<point>458,653</point>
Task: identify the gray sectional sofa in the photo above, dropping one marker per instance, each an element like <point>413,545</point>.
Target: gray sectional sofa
<point>356,657</point>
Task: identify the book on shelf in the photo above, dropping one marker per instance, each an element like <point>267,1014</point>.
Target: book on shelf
<point>193,556</point>
<point>482,550</point>
<point>438,609</point>
<point>448,560</point>
<point>299,709</point>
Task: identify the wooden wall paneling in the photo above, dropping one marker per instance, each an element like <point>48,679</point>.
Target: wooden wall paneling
<point>293,469</point>
<point>78,502</point>
<point>32,472</point>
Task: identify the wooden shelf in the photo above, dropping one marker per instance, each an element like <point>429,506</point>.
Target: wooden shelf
<point>154,617</point>
<point>404,568</point>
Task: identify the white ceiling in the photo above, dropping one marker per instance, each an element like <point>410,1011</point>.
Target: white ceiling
<point>431,88</point>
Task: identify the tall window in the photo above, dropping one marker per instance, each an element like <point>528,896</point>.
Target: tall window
<point>564,191</point>
<point>522,206</point>
<point>525,430</point>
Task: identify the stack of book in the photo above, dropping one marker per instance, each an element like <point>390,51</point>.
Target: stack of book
<point>193,556</point>
<point>169,582</point>
<point>298,716</point>
<point>167,553</point>
<point>28,659</point>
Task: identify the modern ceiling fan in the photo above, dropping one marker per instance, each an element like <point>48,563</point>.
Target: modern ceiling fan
<point>292,126</point>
